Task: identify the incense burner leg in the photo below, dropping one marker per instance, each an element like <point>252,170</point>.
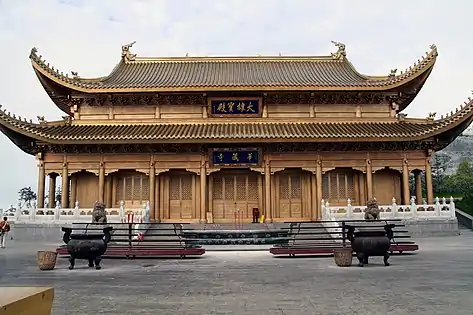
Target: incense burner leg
<point>385,260</point>
<point>72,261</point>
<point>360,257</point>
<point>97,262</point>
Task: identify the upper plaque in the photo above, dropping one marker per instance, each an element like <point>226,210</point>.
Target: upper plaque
<point>235,107</point>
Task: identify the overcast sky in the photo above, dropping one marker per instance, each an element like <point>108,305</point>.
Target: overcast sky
<point>86,36</point>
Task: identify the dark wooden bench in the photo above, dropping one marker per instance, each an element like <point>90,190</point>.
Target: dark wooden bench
<point>313,238</point>
<point>159,241</point>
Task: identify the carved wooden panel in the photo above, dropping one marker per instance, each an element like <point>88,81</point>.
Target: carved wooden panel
<point>338,187</point>
<point>181,196</point>
<point>132,187</point>
<point>234,192</point>
<point>290,187</point>
<point>386,185</point>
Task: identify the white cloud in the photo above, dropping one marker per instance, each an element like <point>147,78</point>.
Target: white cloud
<point>86,36</point>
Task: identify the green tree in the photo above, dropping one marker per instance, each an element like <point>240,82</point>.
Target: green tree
<point>439,166</point>
<point>462,184</point>
<point>26,196</point>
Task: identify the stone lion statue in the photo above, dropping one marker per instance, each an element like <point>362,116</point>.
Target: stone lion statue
<point>372,210</point>
<point>99,215</point>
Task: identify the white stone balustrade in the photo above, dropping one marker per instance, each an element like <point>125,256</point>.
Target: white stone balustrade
<point>77,214</point>
<point>413,211</point>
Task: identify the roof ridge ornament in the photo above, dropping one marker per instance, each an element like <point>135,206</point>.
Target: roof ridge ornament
<point>431,116</point>
<point>41,120</point>
<point>126,53</point>
<point>340,53</point>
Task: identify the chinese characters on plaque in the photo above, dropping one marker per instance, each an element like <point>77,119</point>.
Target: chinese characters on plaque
<point>236,107</point>
<point>236,157</point>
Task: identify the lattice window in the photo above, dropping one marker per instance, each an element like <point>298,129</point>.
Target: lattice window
<point>175,188</point>
<point>144,188</point>
<point>128,188</point>
<point>133,188</point>
<point>284,187</point>
<point>229,187</point>
<point>295,186</point>
<point>217,193</point>
<point>136,187</point>
<point>241,187</point>
<point>338,186</point>
<point>186,187</point>
<point>325,185</point>
<point>253,189</point>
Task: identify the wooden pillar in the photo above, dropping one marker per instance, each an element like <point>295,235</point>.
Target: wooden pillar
<point>65,186</point>
<point>101,182</point>
<point>418,186</point>
<point>114,181</point>
<point>157,198</point>
<point>152,191</point>
<point>362,188</point>
<point>356,189</point>
<point>267,182</point>
<point>369,179</point>
<point>314,207</point>
<point>73,188</point>
<point>52,190</point>
<point>41,179</point>
<point>318,175</point>
<point>108,191</point>
<point>405,183</point>
<point>203,192</point>
<point>428,181</point>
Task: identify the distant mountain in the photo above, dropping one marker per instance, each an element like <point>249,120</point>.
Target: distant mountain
<point>459,150</point>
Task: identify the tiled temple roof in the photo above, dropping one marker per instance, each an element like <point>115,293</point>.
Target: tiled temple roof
<point>220,130</point>
<point>179,74</point>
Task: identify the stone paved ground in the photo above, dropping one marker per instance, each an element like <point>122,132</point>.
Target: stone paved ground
<point>437,280</point>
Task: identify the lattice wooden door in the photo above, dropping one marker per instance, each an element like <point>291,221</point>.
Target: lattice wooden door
<point>338,187</point>
<point>289,190</point>
<point>232,192</point>
<point>180,196</point>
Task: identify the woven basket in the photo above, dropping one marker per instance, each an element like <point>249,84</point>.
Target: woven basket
<point>343,256</point>
<point>46,260</point>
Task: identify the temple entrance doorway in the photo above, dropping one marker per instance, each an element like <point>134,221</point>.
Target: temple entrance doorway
<point>235,193</point>
<point>293,195</point>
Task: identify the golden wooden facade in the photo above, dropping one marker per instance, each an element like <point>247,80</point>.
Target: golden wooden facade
<point>359,143</point>
<point>183,188</point>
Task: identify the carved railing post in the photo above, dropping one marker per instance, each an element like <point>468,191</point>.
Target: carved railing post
<point>349,209</point>
<point>122,210</point>
<point>76,210</point>
<point>394,207</point>
<point>57,210</point>
<point>437,207</point>
<point>328,211</point>
<point>322,209</point>
<point>452,207</point>
<point>413,207</point>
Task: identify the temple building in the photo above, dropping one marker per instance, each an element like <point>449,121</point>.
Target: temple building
<point>203,138</point>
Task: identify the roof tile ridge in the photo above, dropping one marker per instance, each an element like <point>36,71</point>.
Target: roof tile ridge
<point>233,59</point>
<point>419,65</point>
<point>464,109</point>
<point>74,79</point>
<point>12,118</point>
